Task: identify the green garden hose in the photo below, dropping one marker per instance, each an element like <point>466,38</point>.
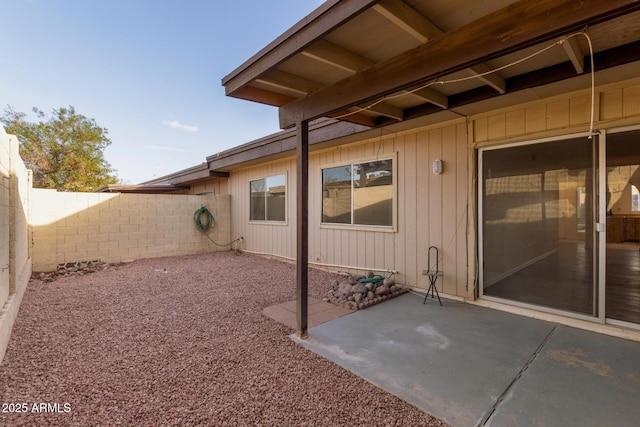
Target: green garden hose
<point>208,222</point>
<point>374,279</point>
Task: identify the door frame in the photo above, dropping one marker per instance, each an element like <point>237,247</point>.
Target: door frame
<point>599,229</point>
<point>598,273</point>
<point>602,236</point>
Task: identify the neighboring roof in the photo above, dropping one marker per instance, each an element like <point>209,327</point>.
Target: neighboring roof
<point>141,188</point>
<point>368,61</point>
<point>322,133</point>
<point>189,175</point>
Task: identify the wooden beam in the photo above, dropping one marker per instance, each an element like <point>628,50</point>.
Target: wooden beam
<point>491,79</point>
<point>329,16</point>
<point>350,116</point>
<point>383,109</point>
<point>408,19</point>
<point>287,82</point>
<point>336,56</point>
<point>575,54</point>
<point>302,227</point>
<point>488,37</point>
<point>432,96</point>
<point>418,26</point>
<point>264,96</point>
<point>604,60</point>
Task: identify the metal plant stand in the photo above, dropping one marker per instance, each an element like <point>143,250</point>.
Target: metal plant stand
<point>433,274</point>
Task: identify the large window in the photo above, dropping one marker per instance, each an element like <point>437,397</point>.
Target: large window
<point>358,194</point>
<point>268,196</point>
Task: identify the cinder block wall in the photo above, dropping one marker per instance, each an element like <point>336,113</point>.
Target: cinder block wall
<point>5,176</point>
<point>15,251</point>
<point>72,227</point>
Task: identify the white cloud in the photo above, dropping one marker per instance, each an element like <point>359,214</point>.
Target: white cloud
<point>177,125</point>
<point>164,148</point>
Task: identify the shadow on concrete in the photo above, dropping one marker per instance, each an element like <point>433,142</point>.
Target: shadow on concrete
<point>470,365</point>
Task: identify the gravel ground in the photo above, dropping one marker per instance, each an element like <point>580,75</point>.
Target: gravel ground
<point>179,341</point>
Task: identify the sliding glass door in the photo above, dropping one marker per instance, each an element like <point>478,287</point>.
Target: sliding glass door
<point>537,218</point>
<point>623,226</point>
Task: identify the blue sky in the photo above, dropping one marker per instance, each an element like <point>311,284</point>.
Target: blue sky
<point>148,71</point>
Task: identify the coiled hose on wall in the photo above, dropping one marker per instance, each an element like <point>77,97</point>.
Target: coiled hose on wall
<point>208,222</point>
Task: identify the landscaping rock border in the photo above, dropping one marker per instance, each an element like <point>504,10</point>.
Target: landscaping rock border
<point>76,268</point>
<point>182,341</point>
<point>359,292</point>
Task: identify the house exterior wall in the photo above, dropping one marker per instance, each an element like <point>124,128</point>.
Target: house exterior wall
<point>430,209</point>
<point>439,210</point>
<point>615,105</point>
<point>15,235</point>
<point>214,186</point>
<point>115,227</point>
<point>277,239</point>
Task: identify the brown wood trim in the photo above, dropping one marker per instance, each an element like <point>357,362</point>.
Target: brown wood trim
<point>263,96</point>
<point>603,60</point>
<point>515,27</point>
<point>323,20</point>
<point>280,144</point>
<point>357,118</point>
<point>302,227</point>
<point>217,174</point>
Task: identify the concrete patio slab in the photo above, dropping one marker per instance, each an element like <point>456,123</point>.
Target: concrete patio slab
<point>580,378</point>
<point>470,365</point>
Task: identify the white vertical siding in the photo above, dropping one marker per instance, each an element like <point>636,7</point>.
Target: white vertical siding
<point>217,186</point>
<point>616,105</point>
<point>431,209</point>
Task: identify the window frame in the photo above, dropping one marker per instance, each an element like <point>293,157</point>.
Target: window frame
<point>286,189</point>
<point>394,192</point>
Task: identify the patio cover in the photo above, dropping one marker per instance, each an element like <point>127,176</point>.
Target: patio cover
<point>384,62</point>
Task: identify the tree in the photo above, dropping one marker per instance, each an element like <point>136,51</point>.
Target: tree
<point>65,150</point>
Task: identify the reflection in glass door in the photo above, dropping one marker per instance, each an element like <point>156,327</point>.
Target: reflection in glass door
<point>622,294</point>
<point>537,225</point>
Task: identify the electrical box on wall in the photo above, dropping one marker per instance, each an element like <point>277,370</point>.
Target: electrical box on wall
<point>437,167</point>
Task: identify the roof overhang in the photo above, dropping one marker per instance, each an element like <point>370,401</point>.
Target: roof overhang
<point>323,133</point>
<point>378,63</point>
<point>141,188</point>
<point>188,176</point>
